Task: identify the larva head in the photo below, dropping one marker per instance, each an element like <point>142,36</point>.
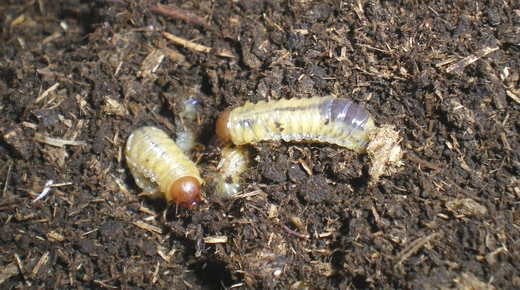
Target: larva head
<point>223,125</point>
<point>185,192</point>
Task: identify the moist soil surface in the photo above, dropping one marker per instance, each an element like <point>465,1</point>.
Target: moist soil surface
<point>77,77</point>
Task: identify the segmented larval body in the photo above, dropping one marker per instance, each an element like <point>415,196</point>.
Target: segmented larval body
<point>234,160</point>
<point>318,119</point>
<point>184,122</point>
<point>156,161</point>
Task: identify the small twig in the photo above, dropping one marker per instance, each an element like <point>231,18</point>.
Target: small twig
<point>174,12</point>
<point>186,15</point>
<point>123,2</point>
<point>513,96</point>
<point>148,227</point>
<point>459,67</point>
<point>166,257</point>
<point>104,284</point>
<point>422,162</point>
<point>56,142</point>
<point>414,247</point>
<point>159,119</point>
<point>293,232</point>
<point>62,184</point>
<point>195,46</point>
<point>284,227</point>
<point>155,275</point>
<point>43,260</point>
<point>19,263</point>
<point>247,194</point>
<point>47,92</point>
<point>412,120</point>
<point>7,178</point>
<point>215,240</point>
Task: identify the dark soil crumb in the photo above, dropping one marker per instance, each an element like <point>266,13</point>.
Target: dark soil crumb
<point>77,77</point>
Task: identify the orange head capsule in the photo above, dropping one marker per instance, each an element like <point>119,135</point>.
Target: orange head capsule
<point>185,192</point>
<point>222,127</point>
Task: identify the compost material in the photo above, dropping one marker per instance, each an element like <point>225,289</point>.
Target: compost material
<point>77,77</point>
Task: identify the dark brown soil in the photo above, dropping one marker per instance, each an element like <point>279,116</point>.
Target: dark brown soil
<point>79,71</point>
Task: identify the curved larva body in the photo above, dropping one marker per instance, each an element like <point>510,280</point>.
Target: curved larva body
<point>234,160</point>
<point>184,122</point>
<point>156,161</point>
<point>322,119</point>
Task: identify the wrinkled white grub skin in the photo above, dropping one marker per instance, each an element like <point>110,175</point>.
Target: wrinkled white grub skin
<point>186,119</point>
<point>234,161</point>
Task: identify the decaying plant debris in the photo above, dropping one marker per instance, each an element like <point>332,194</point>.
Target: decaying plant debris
<point>77,77</point>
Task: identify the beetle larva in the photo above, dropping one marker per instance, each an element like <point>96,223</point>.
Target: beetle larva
<point>234,160</point>
<point>158,164</point>
<point>184,122</point>
<point>321,119</point>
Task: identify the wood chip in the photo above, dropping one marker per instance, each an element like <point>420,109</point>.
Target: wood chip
<point>113,107</point>
<point>324,235</point>
<point>56,142</point>
<point>459,67</point>
<point>20,265</point>
<point>166,257</point>
<point>415,159</point>
<point>216,240</point>
<point>18,142</point>
<point>513,96</point>
<point>54,237</point>
<point>155,275</point>
<point>148,227</point>
<point>413,247</point>
<point>468,281</point>
<point>151,63</point>
<point>43,260</point>
<point>196,47</point>
<point>466,207</point>
<point>8,272</point>
<point>47,92</point>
